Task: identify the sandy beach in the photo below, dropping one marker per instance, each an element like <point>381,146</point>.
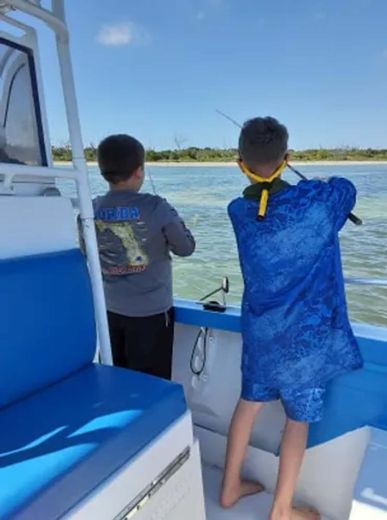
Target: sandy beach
<point>232,163</point>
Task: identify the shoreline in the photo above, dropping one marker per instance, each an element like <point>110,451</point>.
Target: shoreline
<point>218,164</point>
<point>233,163</point>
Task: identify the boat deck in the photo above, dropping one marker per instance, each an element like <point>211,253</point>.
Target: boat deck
<point>250,508</point>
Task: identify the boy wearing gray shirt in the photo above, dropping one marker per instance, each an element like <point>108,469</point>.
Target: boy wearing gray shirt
<point>136,233</point>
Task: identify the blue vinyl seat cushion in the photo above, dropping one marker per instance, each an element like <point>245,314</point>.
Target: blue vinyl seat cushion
<point>47,321</point>
<point>59,444</point>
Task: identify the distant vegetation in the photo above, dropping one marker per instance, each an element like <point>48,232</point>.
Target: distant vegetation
<point>193,154</point>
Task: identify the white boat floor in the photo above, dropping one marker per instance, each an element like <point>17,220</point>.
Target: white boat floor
<point>256,507</point>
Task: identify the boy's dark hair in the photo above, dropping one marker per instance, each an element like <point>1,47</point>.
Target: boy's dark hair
<point>119,156</point>
<point>262,140</point>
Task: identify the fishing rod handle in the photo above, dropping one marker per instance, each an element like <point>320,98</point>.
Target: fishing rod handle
<point>356,220</point>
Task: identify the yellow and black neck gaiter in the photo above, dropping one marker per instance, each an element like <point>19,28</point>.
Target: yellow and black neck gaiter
<point>263,186</point>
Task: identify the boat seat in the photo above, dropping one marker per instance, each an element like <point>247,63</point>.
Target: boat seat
<point>66,424</point>
<point>47,323</point>
<point>59,444</point>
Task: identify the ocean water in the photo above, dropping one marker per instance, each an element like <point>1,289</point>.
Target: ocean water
<point>201,195</point>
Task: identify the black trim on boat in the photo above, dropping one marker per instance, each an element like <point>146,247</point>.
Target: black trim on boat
<point>35,94</point>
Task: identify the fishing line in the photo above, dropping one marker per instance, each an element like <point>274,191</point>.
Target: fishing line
<point>353,218</point>
<point>148,172</point>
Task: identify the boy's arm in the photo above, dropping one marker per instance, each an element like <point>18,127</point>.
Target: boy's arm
<point>178,236</point>
<point>341,197</point>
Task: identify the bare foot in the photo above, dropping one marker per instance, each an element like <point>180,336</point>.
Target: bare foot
<point>231,495</point>
<point>296,513</point>
<point>305,513</point>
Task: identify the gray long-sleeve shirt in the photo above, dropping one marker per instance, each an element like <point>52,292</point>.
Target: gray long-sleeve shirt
<point>136,233</point>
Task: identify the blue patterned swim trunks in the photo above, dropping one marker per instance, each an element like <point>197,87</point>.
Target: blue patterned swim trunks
<point>300,405</point>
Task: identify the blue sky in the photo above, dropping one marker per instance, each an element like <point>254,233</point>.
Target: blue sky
<point>159,69</point>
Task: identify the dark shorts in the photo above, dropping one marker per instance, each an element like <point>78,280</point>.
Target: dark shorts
<point>303,405</point>
<point>144,344</point>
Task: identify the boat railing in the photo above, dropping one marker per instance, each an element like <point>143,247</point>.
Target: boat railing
<point>378,282</point>
<point>55,19</point>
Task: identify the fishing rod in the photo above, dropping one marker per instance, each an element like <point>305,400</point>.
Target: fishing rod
<point>151,181</point>
<point>353,218</point>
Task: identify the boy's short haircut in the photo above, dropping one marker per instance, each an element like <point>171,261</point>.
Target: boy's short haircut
<point>119,156</point>
<point>263,140</point>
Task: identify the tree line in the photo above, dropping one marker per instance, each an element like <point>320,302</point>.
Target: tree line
<point>195,154</point>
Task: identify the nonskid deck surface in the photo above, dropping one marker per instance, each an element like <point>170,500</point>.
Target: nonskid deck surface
<point>250,508</point>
